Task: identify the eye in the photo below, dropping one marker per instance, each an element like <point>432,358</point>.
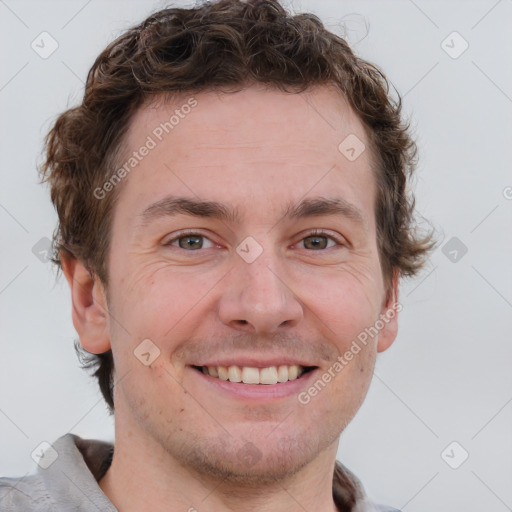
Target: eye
<point>190,241</point>
<point>319,240</point>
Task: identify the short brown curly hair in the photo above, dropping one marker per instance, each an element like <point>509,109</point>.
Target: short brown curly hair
<point>225,45</point>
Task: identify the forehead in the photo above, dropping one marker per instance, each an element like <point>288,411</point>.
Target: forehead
<point>248,115</point>
<point>258,143</point>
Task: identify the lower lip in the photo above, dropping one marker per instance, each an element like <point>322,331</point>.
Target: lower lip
<point>258,391</point>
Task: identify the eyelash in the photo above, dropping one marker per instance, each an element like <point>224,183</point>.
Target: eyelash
<point>183,234</point>
<point>315,232</point>
<point>327,234</point>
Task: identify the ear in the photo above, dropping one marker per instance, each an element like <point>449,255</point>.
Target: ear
<point>90,313</point>
<point>389,315</point>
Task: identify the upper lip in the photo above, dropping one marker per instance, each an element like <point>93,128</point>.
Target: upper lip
<point>254,362</point>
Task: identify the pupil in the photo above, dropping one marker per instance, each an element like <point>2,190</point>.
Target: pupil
<point>191,242</point>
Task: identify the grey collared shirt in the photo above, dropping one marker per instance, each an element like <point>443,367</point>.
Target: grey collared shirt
<point>70,482</point>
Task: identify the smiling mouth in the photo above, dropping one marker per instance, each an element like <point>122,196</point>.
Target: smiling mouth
<point>251,375</point>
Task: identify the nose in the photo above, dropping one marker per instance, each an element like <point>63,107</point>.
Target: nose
<point>258,298</point>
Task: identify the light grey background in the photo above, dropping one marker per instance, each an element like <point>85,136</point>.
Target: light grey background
<point>447,377</point>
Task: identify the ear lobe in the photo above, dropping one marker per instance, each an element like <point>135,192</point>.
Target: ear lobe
<point>90,311</point>
<point>389,315</point>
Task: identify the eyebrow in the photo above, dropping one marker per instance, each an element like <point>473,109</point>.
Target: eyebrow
<point>318,206</point>
<point>170,206</point>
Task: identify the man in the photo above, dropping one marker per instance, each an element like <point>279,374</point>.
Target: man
<point>233,224</point>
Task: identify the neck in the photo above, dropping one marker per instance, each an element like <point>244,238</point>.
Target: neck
<point>143,474</point>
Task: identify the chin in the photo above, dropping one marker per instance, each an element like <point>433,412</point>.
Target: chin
<point>250,464</point>
<point>244,473</point>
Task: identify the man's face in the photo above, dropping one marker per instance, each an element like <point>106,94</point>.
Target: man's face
<point>275,286</point>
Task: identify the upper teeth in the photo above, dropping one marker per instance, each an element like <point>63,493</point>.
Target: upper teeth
<point>250,375</point>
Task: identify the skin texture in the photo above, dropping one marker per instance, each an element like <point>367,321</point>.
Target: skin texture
<point>181,443</point>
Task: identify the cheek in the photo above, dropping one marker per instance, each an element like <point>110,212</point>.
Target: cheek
<point>346,300</point>
<point>155,298</point>
<point>148,391</point>
<point>347,303</point>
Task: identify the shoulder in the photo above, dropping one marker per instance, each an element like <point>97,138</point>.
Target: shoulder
<point>68,479</point>
<point>24,494</point>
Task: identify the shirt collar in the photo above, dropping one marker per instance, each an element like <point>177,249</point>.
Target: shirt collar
<point>81,463</point>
